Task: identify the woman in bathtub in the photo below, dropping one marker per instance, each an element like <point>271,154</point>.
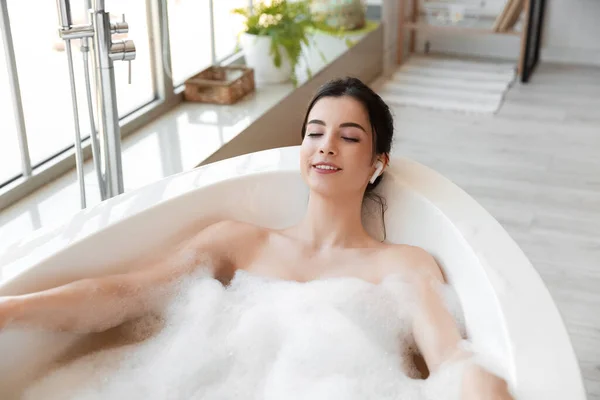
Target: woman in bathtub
<point>347,136</point>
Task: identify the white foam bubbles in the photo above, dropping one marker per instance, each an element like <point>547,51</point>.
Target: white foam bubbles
<point>262,338</point>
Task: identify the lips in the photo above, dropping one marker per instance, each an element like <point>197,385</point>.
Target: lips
<point>326,168</point>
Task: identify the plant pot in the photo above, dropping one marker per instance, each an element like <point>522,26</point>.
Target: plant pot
<point>256,51</point>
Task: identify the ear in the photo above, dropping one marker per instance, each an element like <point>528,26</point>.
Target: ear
<point>379,168</point>
<point>383,158</point>
<point>380,165</point>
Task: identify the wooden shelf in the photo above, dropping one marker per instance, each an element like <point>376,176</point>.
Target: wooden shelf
<point>414,21</point>
<point>475,30</point>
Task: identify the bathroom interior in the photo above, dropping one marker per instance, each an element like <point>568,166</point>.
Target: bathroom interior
<point>496,108</point>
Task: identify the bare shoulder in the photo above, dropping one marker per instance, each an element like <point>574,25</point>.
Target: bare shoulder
<point>226,235</point>
<point>413,261</point>
<point>219,244</point>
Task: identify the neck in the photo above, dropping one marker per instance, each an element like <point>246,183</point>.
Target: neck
<point>333,222</point>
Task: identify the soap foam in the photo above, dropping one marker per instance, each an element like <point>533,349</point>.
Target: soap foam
<point>263,338</point>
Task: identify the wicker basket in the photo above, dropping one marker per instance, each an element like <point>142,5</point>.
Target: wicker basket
<point>220,85</point>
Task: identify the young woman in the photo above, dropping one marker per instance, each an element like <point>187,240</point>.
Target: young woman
<point>347,136</point>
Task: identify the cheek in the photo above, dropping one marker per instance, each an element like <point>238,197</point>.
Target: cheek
<point>362,157</point>
<point>304,155</point>
<point>363,167</point>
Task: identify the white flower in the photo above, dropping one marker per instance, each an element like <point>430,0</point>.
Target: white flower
<point>267,20</point>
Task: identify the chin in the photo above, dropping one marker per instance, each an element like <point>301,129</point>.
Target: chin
<point>326,189</point>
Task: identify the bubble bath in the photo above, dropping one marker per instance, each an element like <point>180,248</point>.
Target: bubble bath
<point>264,338</point>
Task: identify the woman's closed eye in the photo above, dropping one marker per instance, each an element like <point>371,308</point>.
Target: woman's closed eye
<point>346,138</point>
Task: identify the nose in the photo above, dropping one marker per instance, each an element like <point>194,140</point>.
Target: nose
<point>327,146</point>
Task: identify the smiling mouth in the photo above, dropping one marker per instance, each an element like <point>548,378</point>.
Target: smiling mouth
<point>326,169</point>
<point>329,167</point>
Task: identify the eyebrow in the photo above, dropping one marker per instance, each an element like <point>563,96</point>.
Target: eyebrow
<point>345,124</point>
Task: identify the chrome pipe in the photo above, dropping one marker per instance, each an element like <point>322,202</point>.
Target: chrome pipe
<point>108,121</point>
<point>85,49</point>
<point>15,88</point>
<point>65,20</point>
<point>78,150</point>
<point>93,133</point>
<point>105,51</point>
<point>64,13</point>
<point>108,117</point>
<point>77,32</point>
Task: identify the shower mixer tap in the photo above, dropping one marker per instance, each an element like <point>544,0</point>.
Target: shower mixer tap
<point>119,50</point>
<point>122,50</point>
<point>99,30</point>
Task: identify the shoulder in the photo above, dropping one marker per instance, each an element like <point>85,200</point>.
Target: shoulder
<point>231,232</point>
<point>412,261</point>
<point>217,241</point>
<point>223,245</point>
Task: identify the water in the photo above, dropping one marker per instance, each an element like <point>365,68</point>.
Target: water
<point>262,338</point>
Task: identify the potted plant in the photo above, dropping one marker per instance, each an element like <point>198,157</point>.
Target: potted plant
<point>273,36</point>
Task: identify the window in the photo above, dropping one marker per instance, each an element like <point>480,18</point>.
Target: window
<point>45,91</point>
<point>42,65</point>
<point>10,158</point>
<point>189,36</point>
<point>227,26</point>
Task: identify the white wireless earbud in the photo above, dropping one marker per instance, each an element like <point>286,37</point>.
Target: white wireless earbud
<point>377,172</point>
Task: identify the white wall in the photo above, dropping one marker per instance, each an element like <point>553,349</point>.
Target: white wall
<point>572,31</point>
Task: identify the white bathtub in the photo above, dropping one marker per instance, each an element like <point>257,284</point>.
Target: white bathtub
<point>507,308</point>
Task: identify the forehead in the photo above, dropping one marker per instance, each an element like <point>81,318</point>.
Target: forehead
<point>339,110</point>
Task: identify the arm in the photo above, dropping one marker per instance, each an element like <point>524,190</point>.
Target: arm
<point>87,305</point>
<point>438,337</point>
<point>97,304</point>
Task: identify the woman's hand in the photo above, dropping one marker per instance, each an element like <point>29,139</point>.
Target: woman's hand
<point>479,384</point>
